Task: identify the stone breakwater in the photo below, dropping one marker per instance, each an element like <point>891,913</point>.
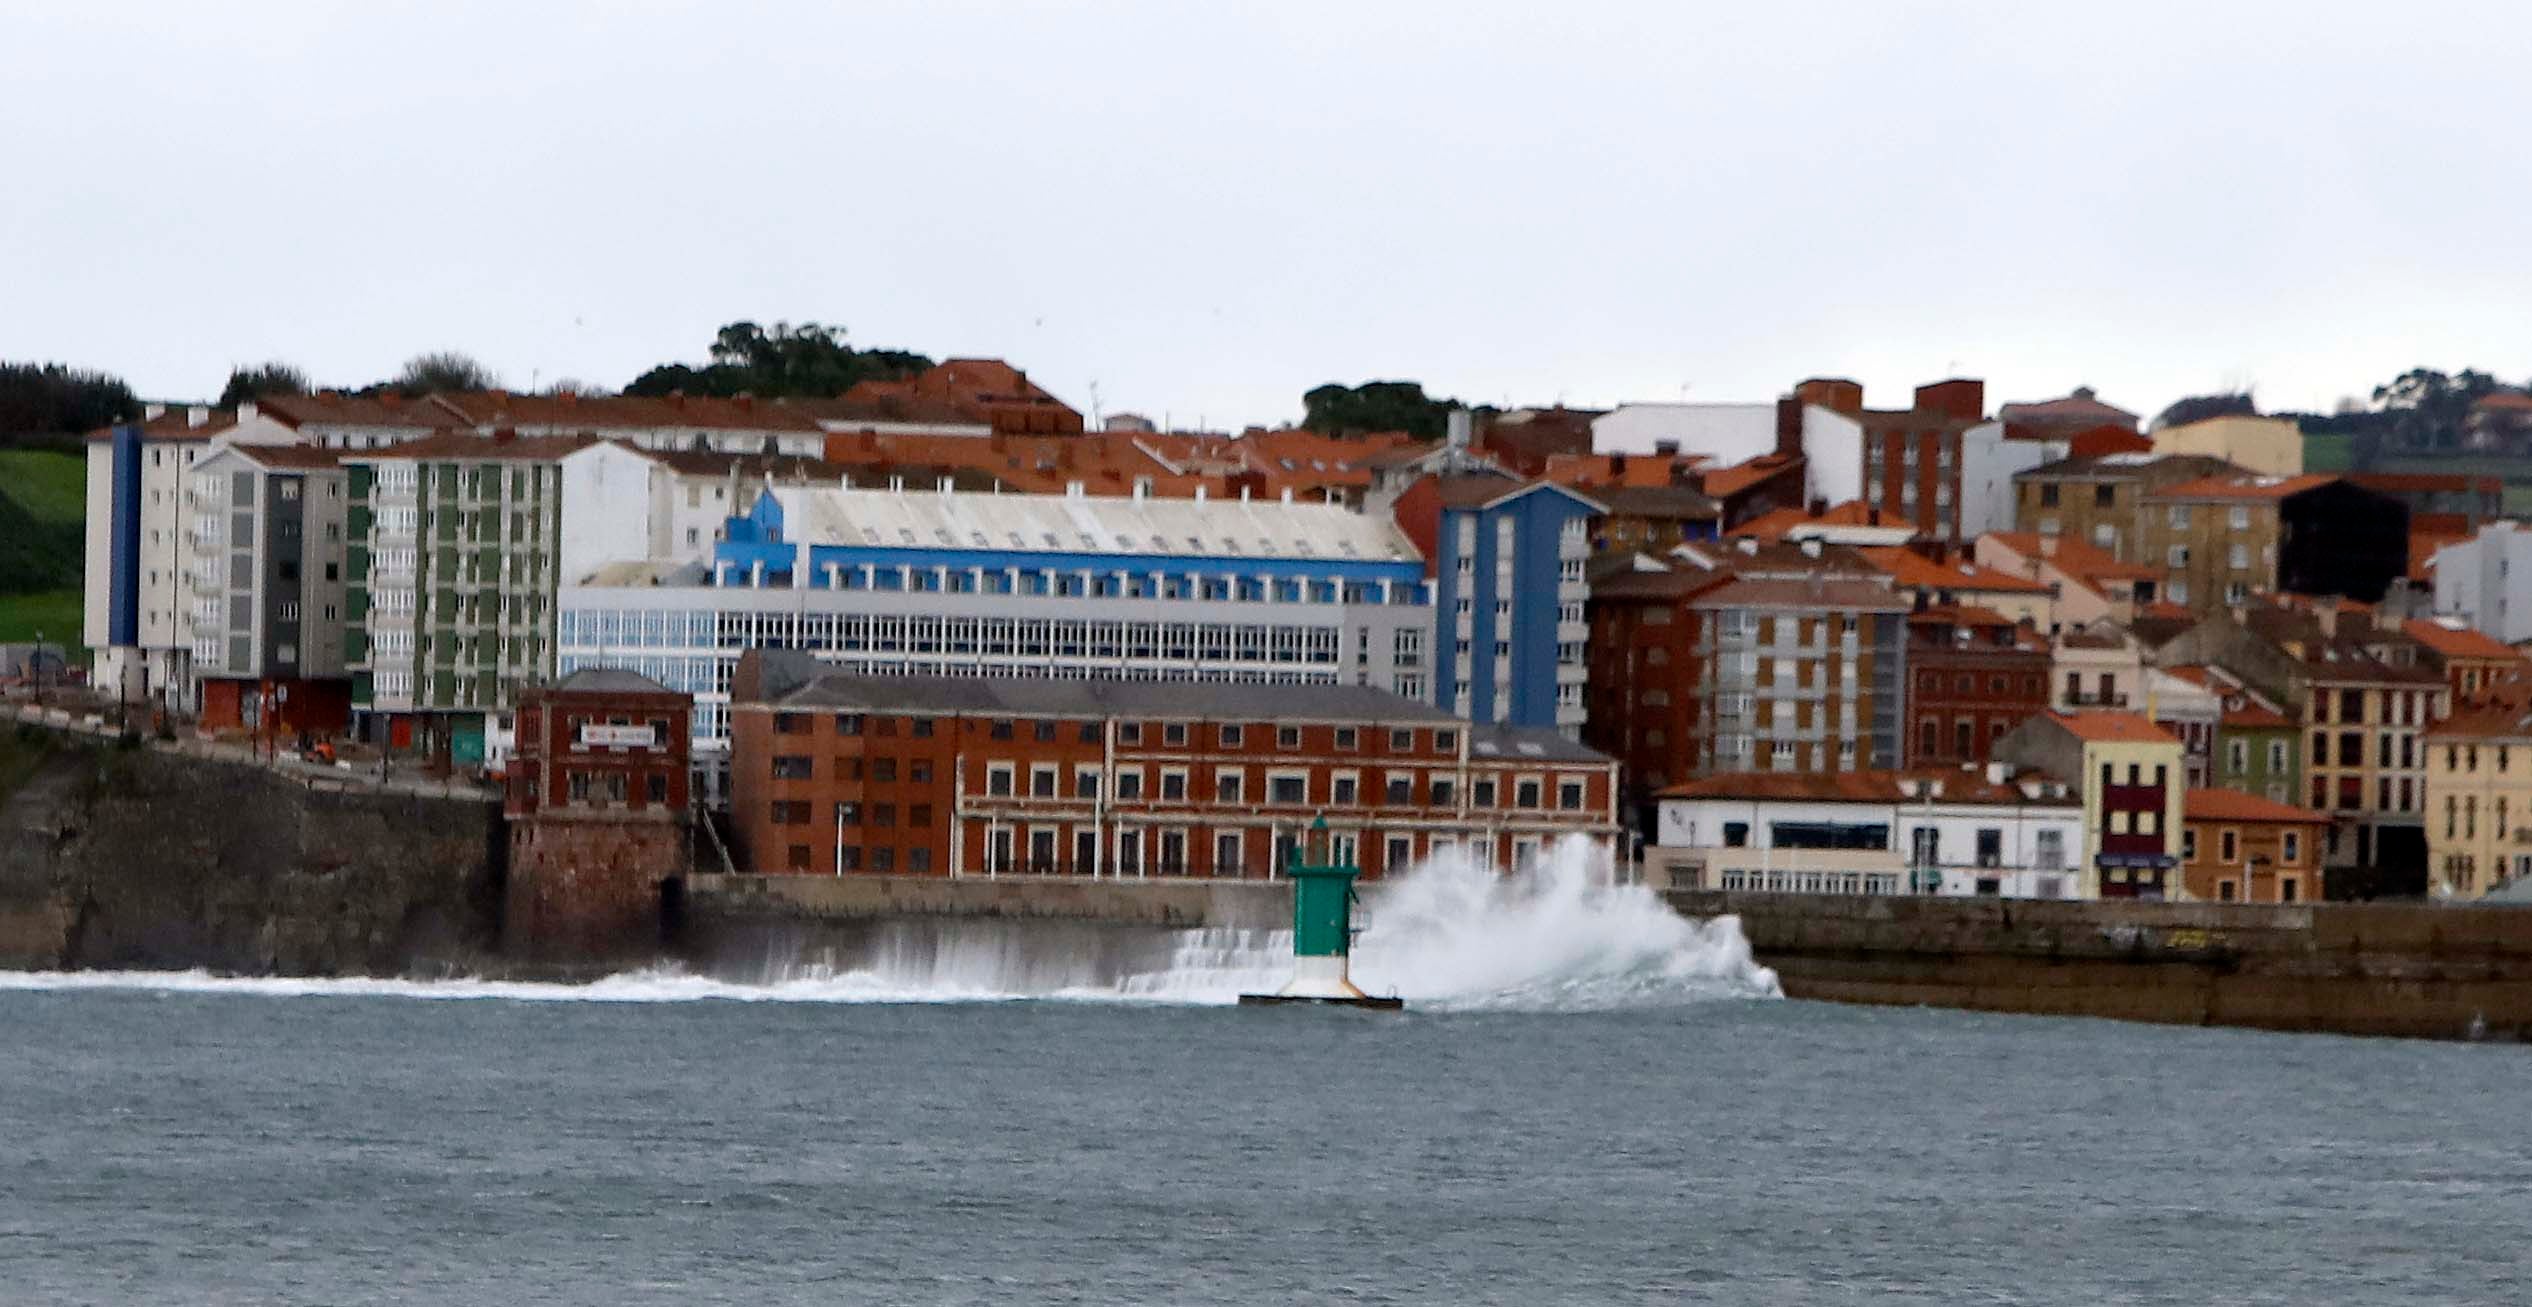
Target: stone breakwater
<point>2437,972</point>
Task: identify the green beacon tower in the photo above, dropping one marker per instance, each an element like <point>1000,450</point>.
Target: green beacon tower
<point>1323,902</point>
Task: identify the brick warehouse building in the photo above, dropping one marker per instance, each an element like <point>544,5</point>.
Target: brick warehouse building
<point>597,802</point>
<point>1973,675</point>
<point>835,773</point>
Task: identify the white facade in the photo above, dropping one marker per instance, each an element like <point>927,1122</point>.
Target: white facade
<point>1916,841</point>
<point>1988,464</point>
<point>2486,581</point>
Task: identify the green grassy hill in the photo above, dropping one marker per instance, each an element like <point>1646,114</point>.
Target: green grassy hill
<point>43,501</point>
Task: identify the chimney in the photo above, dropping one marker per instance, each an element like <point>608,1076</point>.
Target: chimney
<point>246,410</point>
<point>1455,431</point>
<point>198,415</point>
<point>1666,448</point>
<point>2328,616</point>
<point>1811,546</point>
<point>153,412</point>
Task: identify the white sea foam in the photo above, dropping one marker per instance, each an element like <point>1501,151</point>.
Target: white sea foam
<point>1555,935</point>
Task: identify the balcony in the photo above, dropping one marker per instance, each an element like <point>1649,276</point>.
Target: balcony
<point>2096,699</point>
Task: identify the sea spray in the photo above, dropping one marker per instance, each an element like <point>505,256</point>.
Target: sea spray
<point>1556,934</point>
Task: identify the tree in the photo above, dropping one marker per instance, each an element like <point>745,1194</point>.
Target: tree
<point>441,372</point>
<point>1341,410</point>
<point>2198,408</point>
<point>55,399</point>
<point>808,360</point>
<point>2429,409</point>
<point>253,383</point>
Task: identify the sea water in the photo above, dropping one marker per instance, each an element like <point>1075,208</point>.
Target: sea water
<point>1589,1100</point>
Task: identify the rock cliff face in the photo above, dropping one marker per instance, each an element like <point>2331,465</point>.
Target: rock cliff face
<point>130,858</point>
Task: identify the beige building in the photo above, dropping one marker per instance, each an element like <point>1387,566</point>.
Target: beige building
<point>1800,676</point>
<point>2270,447</point>
<point>2215,538</point>
<point>2100,500</point>
<point>2479,802</point>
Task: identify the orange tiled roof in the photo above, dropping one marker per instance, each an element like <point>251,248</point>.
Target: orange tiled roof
<point>1724,482</point>
<point>176,424</point>
<point>2113,728</point>
<point>2233,805</point>
<point>1909,568</point>
<point>2241,487</point>
<point>2459,641</point>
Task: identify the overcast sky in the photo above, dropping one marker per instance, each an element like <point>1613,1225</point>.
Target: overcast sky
<point>1206,209</point>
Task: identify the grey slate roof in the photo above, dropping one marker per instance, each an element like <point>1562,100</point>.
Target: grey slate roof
<point>795,680</point>
<point>611,680</point>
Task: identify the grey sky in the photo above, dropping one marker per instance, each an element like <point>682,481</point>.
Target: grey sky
<point>1208,208</point>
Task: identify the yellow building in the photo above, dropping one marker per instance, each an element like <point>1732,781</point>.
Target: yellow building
<point>2133,782</point>
<point>2267,446</point>
<point>2479,801</point>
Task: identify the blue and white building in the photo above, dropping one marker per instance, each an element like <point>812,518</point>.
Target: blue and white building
<point>1509,592</point>
<point>962,583</point>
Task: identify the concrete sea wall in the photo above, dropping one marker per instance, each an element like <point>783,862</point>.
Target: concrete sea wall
<point>2352,968</point>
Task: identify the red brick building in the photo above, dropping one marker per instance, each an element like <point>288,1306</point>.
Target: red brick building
<point>1641,699</point>
<point>1973,675</point>
<point>597,802</point>
<point>835,773</point>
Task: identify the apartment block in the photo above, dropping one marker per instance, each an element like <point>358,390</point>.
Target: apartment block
<point>2100,501</point>
<point>1973,675</point>
<point>1507,559</point>
<point>1976,831</point>
<point>454,565</point>
<point>2128,771</point>
<point>265,568</point>
<point>948,582</point>
<point>2479,801</point>
<point>835,773</point>
<point>1800,675</point>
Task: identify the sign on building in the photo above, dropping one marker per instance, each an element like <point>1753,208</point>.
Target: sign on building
<point>596,736</point>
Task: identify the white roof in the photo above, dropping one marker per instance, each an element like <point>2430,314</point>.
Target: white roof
<point>1096,524</point>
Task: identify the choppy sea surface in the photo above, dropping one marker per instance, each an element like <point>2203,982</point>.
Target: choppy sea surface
<point>1588,1102</point>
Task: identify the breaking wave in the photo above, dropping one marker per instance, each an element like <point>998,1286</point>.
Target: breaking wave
<point>1556,934</point>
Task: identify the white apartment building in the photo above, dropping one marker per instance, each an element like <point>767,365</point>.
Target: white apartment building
<point>1954,832</point>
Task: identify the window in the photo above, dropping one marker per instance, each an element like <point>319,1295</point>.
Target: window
<point>1482,794</point>
<point>848,723</point>
<point>1226,786</point>
<point>998,780</point>
<point>1288,738</point>
<point>2290,849</point>
<point>1129,732</point>
<point>1402,741</point>
<point>1569,795</point>
<point>883,769</point>
<point>786,812</point>
<point>848,814</point>
<point>1045,732</point>
<point>1525,793</point>
<point>791,767</point>
<point>1174,785</point>
<point>1399,789</point>
<point>1130,783</point>
<point>1174,734</point>
<point>1086,783</point>
<point>2189,844</point>
<point>1348,738</point>
<point>791,723</point>
<point>1287,788</point>
<point>1042,781</point>
<point>1446,741</point>
<point>2228,846</point>
<point>1343,790</point>
<point>1227,736</point>
<point>1736,834</point>
<point>1442,792</point>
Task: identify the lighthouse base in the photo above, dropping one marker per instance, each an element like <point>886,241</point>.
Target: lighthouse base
<point>1366,1001</point>
<point>1322,980</point>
